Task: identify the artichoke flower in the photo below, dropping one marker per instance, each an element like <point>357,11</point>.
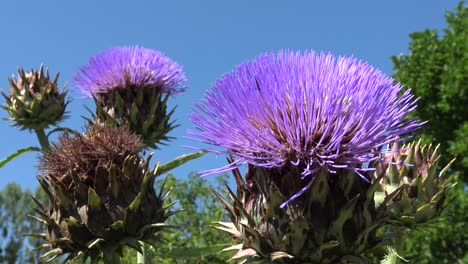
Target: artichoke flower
<point>131,87</point>
<point>415,169</point>
<point>102,195</point>
<point>35,101</point>
<point>307,125</point>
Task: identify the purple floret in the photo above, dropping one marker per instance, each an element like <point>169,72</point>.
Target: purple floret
<point>310,110</point>
<point>129,67</point>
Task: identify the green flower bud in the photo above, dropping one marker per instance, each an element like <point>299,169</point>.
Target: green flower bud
<point>35,101</point>
<point>414,169</point>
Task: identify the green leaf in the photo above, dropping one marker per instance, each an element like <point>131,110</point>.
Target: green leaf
<point>17,153</point>
<point>177,162</point>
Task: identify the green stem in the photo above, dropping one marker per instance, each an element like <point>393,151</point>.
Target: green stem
<point>43,139</point>
<point>110,257</point>
<point>142,258</point>
<point>400,240</point>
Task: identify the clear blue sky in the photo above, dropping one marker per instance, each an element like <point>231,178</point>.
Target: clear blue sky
<point>207,37</point>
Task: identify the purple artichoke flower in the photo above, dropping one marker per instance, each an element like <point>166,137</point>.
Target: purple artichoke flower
<point>131,87</point>
<point>124,67</point>
<point>313,111</point>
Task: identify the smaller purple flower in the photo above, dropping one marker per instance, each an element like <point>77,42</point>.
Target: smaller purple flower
<point>311,111</point>
<point>128,67</point>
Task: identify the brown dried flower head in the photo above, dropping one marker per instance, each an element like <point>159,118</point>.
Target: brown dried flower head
<point>82,154</point>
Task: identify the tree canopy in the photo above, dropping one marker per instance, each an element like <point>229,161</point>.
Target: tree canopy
<point>436,69</point>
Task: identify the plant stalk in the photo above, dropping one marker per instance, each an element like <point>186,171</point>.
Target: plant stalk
<point>142,258</point>
<point>43,139</point>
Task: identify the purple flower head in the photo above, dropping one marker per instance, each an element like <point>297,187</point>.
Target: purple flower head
<point>125,67</point>
<point>313,111</point>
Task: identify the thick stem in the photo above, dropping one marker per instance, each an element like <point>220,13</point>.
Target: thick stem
<point>43,139</point>
<point>110,257</point>
<point>143,258</point>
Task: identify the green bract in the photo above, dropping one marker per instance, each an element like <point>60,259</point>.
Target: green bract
<point>142,109</point>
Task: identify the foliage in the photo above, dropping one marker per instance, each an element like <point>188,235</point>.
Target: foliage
<point>436,70</point>
<point>447,240</point>
<point>15,205</point>
<point>200,209</point>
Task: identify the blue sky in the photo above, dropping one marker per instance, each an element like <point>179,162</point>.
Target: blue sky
<point>207,37</point>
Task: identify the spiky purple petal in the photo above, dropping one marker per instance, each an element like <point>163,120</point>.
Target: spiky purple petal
<point>124,67</point>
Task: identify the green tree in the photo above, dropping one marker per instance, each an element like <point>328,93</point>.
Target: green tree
<point>436,69</point>
<point>446,241</point>
<point>200,209</point>
<point>15,205</point>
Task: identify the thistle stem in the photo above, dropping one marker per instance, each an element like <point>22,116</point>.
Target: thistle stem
<point>142,258</point>
<point>110,257</point>
<point>43,139</point>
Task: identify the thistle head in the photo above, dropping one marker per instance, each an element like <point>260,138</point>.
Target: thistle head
<point>35,101</point>
<point>129,68</point>
<point>102,194</point>
<point>77,155</point>
<point>131,86</point>
<point>312,111</point>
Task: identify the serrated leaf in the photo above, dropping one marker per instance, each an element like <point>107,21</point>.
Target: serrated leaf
<point>177,162</point>
<point>17,153</point>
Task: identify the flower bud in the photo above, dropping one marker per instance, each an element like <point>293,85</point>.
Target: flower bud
<point>35,101</point>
